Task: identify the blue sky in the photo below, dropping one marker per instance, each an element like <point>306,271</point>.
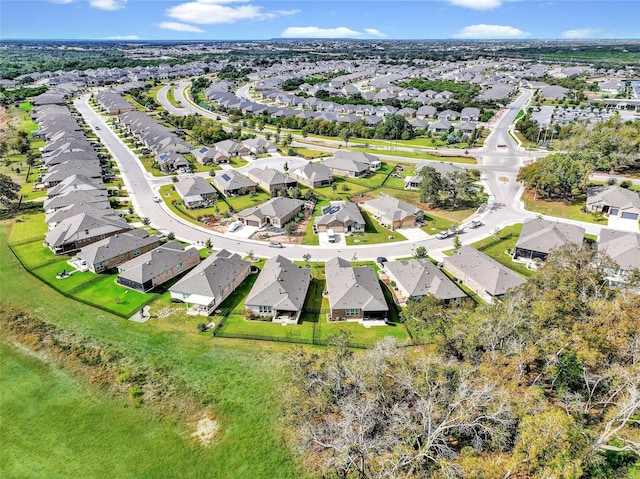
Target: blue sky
<point>257,19</point>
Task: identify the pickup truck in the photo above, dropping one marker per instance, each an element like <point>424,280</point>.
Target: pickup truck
<point>444,234</point>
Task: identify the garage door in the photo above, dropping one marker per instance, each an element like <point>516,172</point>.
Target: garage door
<point>252,223</point>
<point>630,216</point>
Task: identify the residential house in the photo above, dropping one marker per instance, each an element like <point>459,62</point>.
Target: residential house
<point>196,192</point>
<point>75,183</point>
<point>614,201</point>
<point>426,111</point>
<point>107,254</point>
<point>172,162</point>
<point>97,199</point>
<point>481,273</point>
<point>470,114</point>
<point>210,156</point>
<point>352,163</point>
<point>554,92</point>
<point>466,127</point>
<point>277,212</point>
<point>440,126</point>
<point>355,293</point>
<point>231,148</point>
<point>313,175</point>
<point>207,285</point>
<point>448,115</point>
<point>81,230</point>
<point>271,180</point>
<point>279,290</point>
<point>157,266</point>
<point>539,237</point>
<point>393,213</point>
<point>417,278</point>
<point>341,217</point>
<point>624,249</point>
<point>232,183</point>
<point>260,146</point>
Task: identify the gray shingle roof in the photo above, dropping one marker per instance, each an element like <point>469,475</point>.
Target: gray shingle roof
<point>623,247</point>
<point>116,245</point>
<point>420,277</point>
<point>543,235</point>
<point>613,196</point>
<point>194,186</point>
<point>281,285</point>
<point>276,207</point>
<point>484,270</point>
<point>348,213</point>
<point>353,288</point>
<point>212,276</point>
<point>153,263</point>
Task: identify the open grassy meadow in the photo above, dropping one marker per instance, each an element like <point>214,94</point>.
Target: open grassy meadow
<point>62,428</point>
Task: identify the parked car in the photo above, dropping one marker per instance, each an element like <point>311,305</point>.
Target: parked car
<point>475,224</point>
<point>157,199</point>
<point>235,225</point>
<point>381,259</point>
<point>443,235</point>
<point>276,244</point>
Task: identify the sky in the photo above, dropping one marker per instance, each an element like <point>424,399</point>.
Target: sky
<point>361,19</point>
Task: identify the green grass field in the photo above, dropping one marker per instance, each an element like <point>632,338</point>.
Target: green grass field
<point>562,209</point>
<point>70,430</point>
<point>242,380</point>
<point>30,227</point>
<point>374,233</point>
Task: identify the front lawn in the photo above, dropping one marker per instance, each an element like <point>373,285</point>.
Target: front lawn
<point>561,209</point>
<point>237,162</point>
<point>374,233</point>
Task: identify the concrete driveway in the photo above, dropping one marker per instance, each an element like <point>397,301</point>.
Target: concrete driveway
<point>413,234</point>
<point>244,232</point>
<point>324,241</point>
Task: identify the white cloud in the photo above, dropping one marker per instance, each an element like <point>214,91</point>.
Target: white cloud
<point>581,33</point>
<point>210,12</point>
<point>375,33</point>
<point>477,4</point>
<point>316,32</point>
<point>61,2</point>
<point>108,4</point>
<point>490,31</point>
<point>123,37</point>
<point>179,27</point>
<point>338,32</point>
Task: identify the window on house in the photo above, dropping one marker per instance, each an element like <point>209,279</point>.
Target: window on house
<point>265,309</point>
<point>352,312</point>
<point>178,267</point>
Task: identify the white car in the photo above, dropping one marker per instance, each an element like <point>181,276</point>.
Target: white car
<point>157,199</point>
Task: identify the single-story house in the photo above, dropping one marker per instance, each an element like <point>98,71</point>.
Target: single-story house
<point>341,216</point>
<point>467,127</point>
<point>393,213</point>
<point>231,148</point>
<point>277,212</point>
<point>207,285</point>
<point>417,278</point>
<point>196,192</point>
<point>232,183</point>
<point>279,290</point>
<point>210,156</point>
<point>271,180</point>
<point>470,114</point>
<point>81,230</point>
<point>157,266</point>
<point>448,115</point>
<point>170,162</point>
<point>110,252</point>
<point>355,294</point>
<point>313,175</point>
<point>539,237</point>
<point>481,273</point>
<point>554,92</point>
<point>426,111</point>
<point>624,249</point>
<point>260,146</point>
<point>440,126</point>
<point>614,201</point>
<point>353,164</point>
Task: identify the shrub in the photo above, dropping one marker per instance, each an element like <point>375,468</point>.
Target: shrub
<point>201,327</point>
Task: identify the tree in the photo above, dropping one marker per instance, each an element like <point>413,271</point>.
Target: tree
<point>306,257</point>
<point>420,252</point>
<point>8,190</point>
<point>146,221</point>
<point>290,228</point>
<point>559,174</point>
<point>171,236</point>
<point>431,185</point>
<point>345,134</point>
<point>208,244</point>
<point>384,413</point>
<point>457,244</point>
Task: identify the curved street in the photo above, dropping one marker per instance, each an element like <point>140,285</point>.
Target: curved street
<point>499,160</point>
